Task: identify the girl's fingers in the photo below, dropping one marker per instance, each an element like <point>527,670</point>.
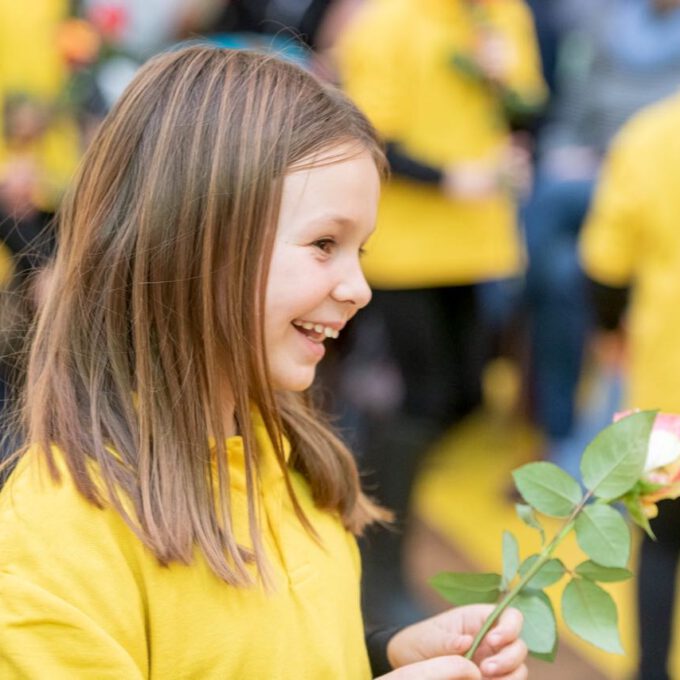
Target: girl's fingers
<point>507,630</point>
<point>521,673</point>
<point>506,661</point>
<point>441,668</point>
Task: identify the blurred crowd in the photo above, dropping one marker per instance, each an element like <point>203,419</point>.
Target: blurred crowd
<point>532,213</point>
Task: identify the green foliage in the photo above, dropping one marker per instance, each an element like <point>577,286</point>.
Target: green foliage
<point>510,558</point>
<point>637,514</point>
<point>540,628</point>
<point>596,572</point>
<point>526,514</point>
<point>462,589</point>
<point>550,656</point>
<point>467,66</point>
<point>591,613</point>
<point>603,535</point>
<point>547,488</point>
<point>611,468</point>
<point>551,572</point>
<point>631,500</point>
<point>613,462</point>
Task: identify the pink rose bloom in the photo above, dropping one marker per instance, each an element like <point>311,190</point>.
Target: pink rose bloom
<point>663,460</point>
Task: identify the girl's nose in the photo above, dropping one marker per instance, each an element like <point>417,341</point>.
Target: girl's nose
<point>353,288</point>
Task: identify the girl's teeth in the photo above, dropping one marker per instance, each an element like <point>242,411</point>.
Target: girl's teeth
<point>326,331</point>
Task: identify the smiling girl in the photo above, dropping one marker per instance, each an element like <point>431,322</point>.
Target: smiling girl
<point>182,511</point>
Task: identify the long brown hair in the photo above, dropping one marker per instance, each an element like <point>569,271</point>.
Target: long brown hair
<point>157,296</point>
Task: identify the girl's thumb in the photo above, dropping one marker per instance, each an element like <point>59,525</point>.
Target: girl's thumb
<point>440,668</point>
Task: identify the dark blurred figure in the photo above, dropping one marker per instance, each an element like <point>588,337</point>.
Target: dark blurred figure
<point>616,56</point>
<point>630,249</point>
<point>298,17</point>
<point>304,30</point>
<point>440,80</point>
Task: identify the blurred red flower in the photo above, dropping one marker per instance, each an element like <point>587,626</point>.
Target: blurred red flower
<point>109,19</point>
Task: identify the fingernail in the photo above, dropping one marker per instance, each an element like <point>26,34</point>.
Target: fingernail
<point>490,668</point>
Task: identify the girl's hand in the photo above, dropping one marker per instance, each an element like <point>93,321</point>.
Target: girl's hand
<point>441,668</point>
<point>501,655</point>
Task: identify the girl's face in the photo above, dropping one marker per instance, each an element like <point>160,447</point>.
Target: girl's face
<point>315,280</point>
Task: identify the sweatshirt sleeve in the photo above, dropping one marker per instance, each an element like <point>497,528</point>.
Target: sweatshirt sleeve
<point>70,604</point>
<point>377,639</point>
<point>43,635</point>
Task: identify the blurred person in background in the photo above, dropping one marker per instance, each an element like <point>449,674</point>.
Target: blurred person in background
<point>630,248</point>
<point>304,30</point>
<point>132,31</point>
<point>39,149</point>
<point>39,142</point>
<point>616,56</point>
<point>440,80</point>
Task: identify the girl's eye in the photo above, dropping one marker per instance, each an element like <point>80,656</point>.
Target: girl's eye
<point>325,244</point>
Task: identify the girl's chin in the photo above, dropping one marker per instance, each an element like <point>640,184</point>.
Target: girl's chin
<point>293,383</point>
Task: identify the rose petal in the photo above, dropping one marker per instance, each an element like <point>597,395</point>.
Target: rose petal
<point>664,442</point>
<point>623,414</point>
<point>669,422</point>
<point>663,449</point>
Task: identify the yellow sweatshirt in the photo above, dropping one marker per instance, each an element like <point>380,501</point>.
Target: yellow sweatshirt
<point>396,62</point>
<point>81,597</point>
<point>632,238</point>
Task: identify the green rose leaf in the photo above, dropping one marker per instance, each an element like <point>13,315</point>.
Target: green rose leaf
<point>637,514</point>
<point>462,589</point>
<point>603,535</point>
<point>643,487</point>
<point>539,630</point>
<point>549,657</point>
<point>526,514</point>
<point>551,572</point>
<point>510,557</point>
<point>596,572</point>
<point>547,488</point>
<point>613,462</point>
<point>591,614</point>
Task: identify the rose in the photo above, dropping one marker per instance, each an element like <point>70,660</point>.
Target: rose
<point>661,477</point>
<point>618,467</point>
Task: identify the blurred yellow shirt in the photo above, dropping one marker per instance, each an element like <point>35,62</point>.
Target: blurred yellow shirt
<point>396,64</point>
<point>81,597</point>
<point>632,238</point>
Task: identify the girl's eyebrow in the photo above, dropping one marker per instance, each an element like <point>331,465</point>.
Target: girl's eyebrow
<point>332,218</point>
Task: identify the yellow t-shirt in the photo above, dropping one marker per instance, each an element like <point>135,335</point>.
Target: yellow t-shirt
<point>396,64</point>
<point>632,238</point>
<point>81,597</point>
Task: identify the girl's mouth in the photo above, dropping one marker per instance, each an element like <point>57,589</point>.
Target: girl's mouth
<point>316,332</point>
